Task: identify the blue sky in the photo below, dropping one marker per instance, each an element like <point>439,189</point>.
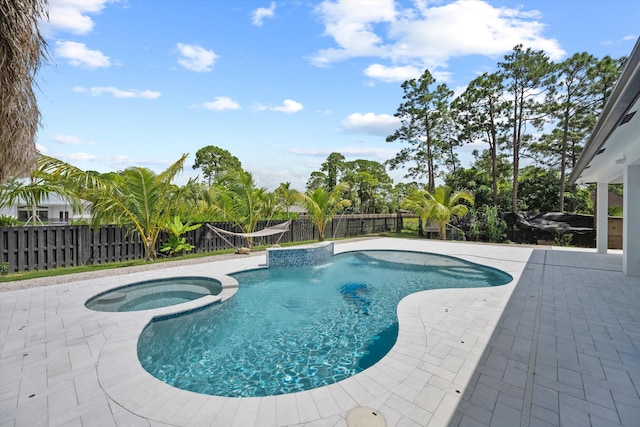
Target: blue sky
<point>279,84</point>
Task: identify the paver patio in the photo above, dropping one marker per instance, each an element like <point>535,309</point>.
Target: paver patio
<point>560,345</point>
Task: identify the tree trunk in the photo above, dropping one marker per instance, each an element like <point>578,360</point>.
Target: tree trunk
<point>493,145</point>
<point>563,155</point>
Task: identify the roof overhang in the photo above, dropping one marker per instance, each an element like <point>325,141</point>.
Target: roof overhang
<point>615,139</point>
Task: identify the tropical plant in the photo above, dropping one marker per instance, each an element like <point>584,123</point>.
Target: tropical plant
<point>21,53</point>
<point>285,196</point>
<point>615,211</point>
<point>562,238</point>
<point>176,242</point>
<point>34,191</point>
<point>137,197</point>
<point>4,268</point>
<point>8,221</point>
<point>322,205</point>
<point>487,226</point>
<point>438,207</point>
<point>237,199</point>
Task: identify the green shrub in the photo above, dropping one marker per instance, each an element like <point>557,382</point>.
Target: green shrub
<point>410,224</point>
<point>8,221</point>
<point>487,225</point>
<point>176,244</point>
<point>4,268</point>
<point>562,238</point>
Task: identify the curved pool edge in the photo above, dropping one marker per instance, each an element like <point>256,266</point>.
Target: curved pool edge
<point>228,284</point>
<point>423,318</point>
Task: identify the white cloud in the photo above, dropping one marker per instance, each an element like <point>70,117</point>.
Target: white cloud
<point>429,35</point>
<point>72,16</point>
<point>111,163</point>
<point>261,13</point>
<point>77,54</point>
<point>118,93</point>
<point>41,148</point>
<point>380,154</point>
<point>196,58</point>
<point>78,157</point>
<point>351,23</point>
<point>392,74</point>
<point>370,123</point>
<point>68,140</point>
<point>221,103</point>
<point>288,106</point>
<point>629,37</point>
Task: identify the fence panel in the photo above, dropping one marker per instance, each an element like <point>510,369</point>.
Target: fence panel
<point>47,247</point>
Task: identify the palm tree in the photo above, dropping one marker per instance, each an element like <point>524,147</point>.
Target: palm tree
<point>137,197</point>
<point>438,207</point>
<point>22,49</point>
<point>34,192</point>
<point>286,196</point>
<point>322,205</point>
<point>237,199</point>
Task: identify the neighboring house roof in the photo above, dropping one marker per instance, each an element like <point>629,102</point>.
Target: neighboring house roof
<point>52,203</point>
<point>49,200</point>
<point>615,139</point>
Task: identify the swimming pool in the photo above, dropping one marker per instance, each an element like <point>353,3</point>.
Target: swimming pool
<point>155,293</point>
<point>297,328</point>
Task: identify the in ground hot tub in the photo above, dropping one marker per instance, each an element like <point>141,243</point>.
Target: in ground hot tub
<point>156,293</point>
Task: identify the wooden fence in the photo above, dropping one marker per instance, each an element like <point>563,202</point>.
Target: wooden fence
<point>48,247</point>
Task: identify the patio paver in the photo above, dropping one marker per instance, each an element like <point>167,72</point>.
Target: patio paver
<point>560,345</point>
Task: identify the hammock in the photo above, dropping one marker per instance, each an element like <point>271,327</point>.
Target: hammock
<point>267,231</point>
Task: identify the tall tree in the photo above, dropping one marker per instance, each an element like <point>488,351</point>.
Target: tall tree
<point>604,76</point>
<point>478,179</point>
<point>420,116</point>
<point>215,161</point>
<point>22,50</point>
<point>333,167</point>
<point>481,112</point>
<point>524,73</point>
<point>539,188</point>
<point>448,133</point>
<point>570,104</point>
<point>370,182</point>
<point>316,179</point>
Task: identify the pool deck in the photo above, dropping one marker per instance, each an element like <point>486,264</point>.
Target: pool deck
<point>560,345</point>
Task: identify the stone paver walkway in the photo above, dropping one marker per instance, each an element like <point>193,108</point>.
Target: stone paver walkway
<point>560,345</point>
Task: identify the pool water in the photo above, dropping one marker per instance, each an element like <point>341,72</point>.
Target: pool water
<point>156,293</point>
<point>297,328</point>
